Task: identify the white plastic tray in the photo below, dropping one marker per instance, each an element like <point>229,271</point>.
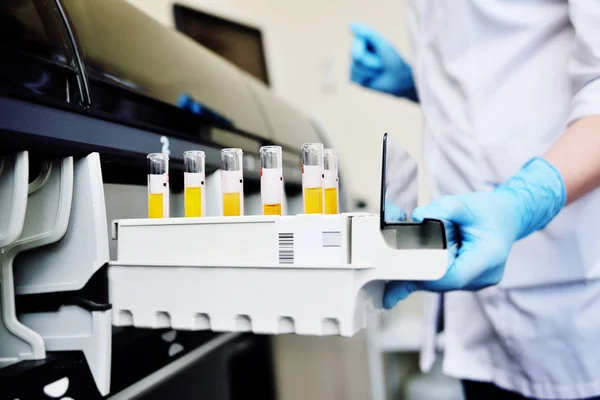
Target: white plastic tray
<point>304,274</point>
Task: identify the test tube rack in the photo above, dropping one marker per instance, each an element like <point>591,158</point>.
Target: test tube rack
<point>305,274</point>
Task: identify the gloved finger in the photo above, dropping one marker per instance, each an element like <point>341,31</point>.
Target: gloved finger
<point>392,212</point>
<point>196,108</point>
<point>363,57</point>
<point>368,71</point>
<point>450,280</point>
<point>361,30</point>
<point>366,32</point>
<point>436,211</point>
<point>482,265</point>
<point>375,67</point>
<point>359,47</point>
<point>359,77</point>
<point>371,60</point>
<point>469,270</point>
<point>396,291</point>
<point>362,75</point>
<point>449,208</point>
<point>184,101</point>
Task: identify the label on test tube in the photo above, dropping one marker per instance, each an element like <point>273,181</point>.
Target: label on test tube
<point>271,190</point>
<point>330,185</point>
<point>157,194</point>
<point>233,193</point>
<point>166,197</point>
<point>312,189</point>
<point>194,194</point>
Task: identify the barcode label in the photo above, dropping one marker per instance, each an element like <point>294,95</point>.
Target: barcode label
<point>286,248</point>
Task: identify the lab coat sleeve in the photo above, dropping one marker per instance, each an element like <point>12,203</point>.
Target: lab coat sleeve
<point>584,61</point>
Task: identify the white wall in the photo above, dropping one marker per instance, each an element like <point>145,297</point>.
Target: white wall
<point>301,38</point>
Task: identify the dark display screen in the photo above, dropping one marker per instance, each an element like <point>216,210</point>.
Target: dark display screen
<point>242,45</point>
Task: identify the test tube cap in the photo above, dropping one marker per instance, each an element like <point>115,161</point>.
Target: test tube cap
<point>231,159</point>
<point>330,159</point>
<point>157,163</point>
<point>312,154</point>
<point>193,161</point>
<point>270,157</point>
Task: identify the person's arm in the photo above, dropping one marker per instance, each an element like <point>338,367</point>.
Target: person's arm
<point>577,153</point>
<point>577,156</point>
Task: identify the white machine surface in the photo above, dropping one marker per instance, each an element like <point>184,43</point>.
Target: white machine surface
<point>303,274</point>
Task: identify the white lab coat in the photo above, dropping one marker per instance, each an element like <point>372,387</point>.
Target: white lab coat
<point>499,81</point>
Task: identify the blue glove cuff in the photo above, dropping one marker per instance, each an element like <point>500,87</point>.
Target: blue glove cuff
<point>540,193</point>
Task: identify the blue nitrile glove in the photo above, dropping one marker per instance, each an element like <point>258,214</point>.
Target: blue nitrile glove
<point>393,212</point>
<point>485,225</point>
<point>377,65</point>
<point>186,102</point>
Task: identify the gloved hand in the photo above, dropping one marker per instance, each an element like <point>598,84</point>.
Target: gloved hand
<point>485,226</point>
<point>186,102</point>
<point>393,212</point>
<point>377,65</point>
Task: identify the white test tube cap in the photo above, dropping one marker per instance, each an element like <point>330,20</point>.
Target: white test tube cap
<point>312,154</point>
<point>330,159</point>
<point>193,161</point>
<point>270,157</point>
<point>312,165</point>
<point>231,159</point>
<point>330,168</point>
<point>157,169</point>
<point>157,163</point>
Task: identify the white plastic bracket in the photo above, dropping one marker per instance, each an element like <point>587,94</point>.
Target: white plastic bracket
<point>46,218</point>
<point>74,328</point>
<point>68,264</point>
<point>14,175</point>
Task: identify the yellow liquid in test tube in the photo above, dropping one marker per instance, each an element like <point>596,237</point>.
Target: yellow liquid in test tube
<point>331,201</point>
<point>193,201</point>
<point>155,205</point>
<point>313,201</point>
<point>272,209</point>
<point>231,204</point>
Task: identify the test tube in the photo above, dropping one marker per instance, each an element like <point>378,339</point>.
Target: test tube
<point>312,178</point>
<point>158,192</point>
<point>330,181</point>
<point>232,175</point>
<point>271,179</point>
<point>194,177</point>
